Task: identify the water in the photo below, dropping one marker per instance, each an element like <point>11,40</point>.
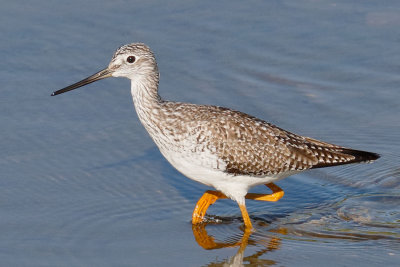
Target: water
<point>82,184</point>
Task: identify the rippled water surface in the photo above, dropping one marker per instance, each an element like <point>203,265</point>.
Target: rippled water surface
<point>82,184</point>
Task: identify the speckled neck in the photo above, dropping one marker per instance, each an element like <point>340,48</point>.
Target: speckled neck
<point>147,101</point>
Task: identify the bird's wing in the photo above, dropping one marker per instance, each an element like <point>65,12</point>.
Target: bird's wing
<point>250,146</point>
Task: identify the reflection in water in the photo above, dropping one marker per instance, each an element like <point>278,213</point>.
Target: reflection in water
<point>208,242</point>
<point>357,219</point>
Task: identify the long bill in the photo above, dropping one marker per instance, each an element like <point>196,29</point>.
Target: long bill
<point>95,77</point>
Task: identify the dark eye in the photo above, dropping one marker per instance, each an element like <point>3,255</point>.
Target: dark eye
<point>131,59</point>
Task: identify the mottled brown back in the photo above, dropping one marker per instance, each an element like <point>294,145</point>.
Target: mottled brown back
<point>250,146</point>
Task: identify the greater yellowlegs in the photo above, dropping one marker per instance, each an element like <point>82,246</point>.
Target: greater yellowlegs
<point>219,147</point>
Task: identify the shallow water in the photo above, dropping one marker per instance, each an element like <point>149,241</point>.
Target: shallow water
<point>82,184</point>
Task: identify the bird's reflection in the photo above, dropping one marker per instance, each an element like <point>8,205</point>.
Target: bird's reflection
<point>208,242</point>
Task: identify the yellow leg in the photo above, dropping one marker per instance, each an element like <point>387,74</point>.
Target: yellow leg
<point>209,198</point>
<point>277,193</point>
<point>245,215</point>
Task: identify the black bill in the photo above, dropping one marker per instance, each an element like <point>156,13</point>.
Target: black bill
<point>95,77</point>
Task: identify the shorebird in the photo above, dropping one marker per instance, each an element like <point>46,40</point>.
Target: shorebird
<point>216,146</point>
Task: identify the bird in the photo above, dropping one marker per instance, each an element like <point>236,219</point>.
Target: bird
<point>226,149</point>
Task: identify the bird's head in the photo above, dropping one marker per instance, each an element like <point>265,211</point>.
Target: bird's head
<point>133,61</point>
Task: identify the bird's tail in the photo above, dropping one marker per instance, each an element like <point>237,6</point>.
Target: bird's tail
<point>350,155</point>
<point>361,156</point>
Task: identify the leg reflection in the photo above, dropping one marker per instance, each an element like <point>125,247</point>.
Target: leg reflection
<point>208,242</point>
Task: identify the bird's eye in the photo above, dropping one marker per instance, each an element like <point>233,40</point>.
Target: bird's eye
<point>130,59</point>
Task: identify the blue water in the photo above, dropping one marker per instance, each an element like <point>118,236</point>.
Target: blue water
<point>82,184</point>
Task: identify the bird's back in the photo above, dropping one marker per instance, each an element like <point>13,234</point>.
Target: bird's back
<point>243,144</point>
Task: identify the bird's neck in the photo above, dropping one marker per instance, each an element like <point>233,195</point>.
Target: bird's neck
<point>144,90</point>
<point>146,99</point>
